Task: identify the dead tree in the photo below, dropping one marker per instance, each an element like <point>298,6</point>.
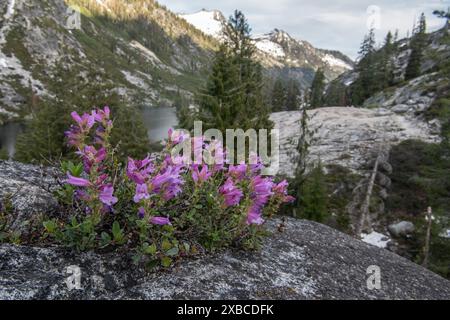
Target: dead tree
<point>359,208</point>
<point>426,249</point>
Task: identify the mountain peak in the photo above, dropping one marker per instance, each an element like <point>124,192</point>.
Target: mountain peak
<point>209,22</point>
<point>280,35</point>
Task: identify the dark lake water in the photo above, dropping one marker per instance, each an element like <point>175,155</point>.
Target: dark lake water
<point>8,136</point>
<point>157,120</point>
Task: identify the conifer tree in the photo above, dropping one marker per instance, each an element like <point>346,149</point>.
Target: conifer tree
<point>317,88</point>
<point>417,46</point>
<point>384,71</point>
<point>365,85</point>
<point>293,95</point>
<point>279,96</point>
<point>314,195</point>
<point>233,97</point>
<point>300,158</point>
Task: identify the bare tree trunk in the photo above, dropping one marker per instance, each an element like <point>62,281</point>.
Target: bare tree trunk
<point>364,217</point>
<point>426,249</point>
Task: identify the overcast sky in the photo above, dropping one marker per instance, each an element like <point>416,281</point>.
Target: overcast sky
<point>327,24</point>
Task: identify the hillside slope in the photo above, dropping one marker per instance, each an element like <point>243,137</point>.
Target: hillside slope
<point>146,52</point>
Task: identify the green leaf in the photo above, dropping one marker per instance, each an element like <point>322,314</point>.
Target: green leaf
<point>117,233</point>
<point>152,264</point>
<point>151,249</point>
<point>50,226</point>
<point>172,252</point>
<point>106,238</point>
<point>136,259</point>
<point>166,262</point>
<point>166,245</point>
<point>116,228</point>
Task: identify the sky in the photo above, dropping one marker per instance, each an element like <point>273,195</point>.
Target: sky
<point>339,25</point>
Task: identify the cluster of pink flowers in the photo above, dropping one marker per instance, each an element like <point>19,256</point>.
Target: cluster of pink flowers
<point>165,181</point>
<point>97,187</point>
<point>262,189</point>
<point>240,187</point>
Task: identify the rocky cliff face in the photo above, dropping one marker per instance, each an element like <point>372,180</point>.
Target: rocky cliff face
<point>346,136</point>
<point>435,55</point>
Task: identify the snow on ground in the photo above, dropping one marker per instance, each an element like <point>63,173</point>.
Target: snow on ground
<point>335,62</point>
<point>270,47</point>
<point>10,9</point>
<point>374,238</point>
<point>152,57</point>
<point>206,21</point>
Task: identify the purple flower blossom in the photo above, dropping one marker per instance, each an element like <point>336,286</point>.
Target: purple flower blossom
<point>141,213</point>
<point>280,190</point>
<point>198,143</point>
<point>82,195</point>
<point>254,215</point>
<point>139,170</point>
<point>177,136</point>
<point>85,122</point>
<point>231,193</point>
<point>160,221</point>
<point>200,176</point>
<point>168,182</point>
<point>79,182</point>
<point>91,156</point>
<point>237,172</point>
<point>261,190</point>
<point>101,115</point>
<point>216,155</point>
<point>106,195</point>
<point>74,136</point>
<point>141,193</point>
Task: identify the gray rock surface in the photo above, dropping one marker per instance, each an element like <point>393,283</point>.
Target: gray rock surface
<point>29,189</point>
<point>346,136</point>
<point>401,228</point>
<point>305,261</point>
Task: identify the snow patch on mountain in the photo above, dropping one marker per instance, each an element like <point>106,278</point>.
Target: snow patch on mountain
<point>209,22</point>
<point>270,47</point>
<point>335,62</point>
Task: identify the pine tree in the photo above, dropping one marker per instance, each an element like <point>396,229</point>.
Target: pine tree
<point>417,46</point>
<point>233,97</point>
<point>317,88</point>
<point>384,71</point>
<point>314,195</point>
<point>279,96</point>
<point>300,158</point>
<point>365,85</point>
